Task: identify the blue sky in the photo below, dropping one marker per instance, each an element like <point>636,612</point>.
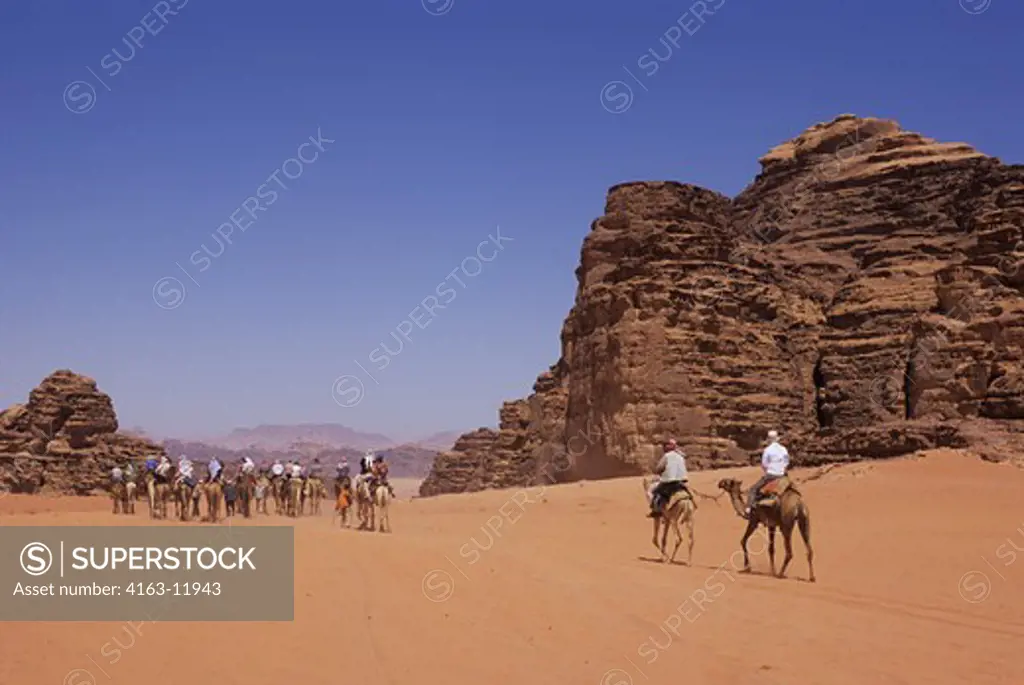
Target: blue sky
<point>445,126</point>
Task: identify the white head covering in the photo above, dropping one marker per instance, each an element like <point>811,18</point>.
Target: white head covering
<point>773,435</point>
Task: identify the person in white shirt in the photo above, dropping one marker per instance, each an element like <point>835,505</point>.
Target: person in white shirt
<point>248,466</point>
<point>163,469</point>
<point>672,468</point>
<point>277,469</point>
<point>185,468</point>
<point>116,475</point>
<point>296,470</point>
<point>774,463</point>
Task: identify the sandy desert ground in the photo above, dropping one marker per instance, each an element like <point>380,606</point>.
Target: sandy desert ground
<point>918,583</point>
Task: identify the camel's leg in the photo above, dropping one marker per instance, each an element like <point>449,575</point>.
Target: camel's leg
<point>678,536</point>
<point>771,547</point>
<point>803,519</point>
<point>689,529</point>
<point>751,527</point>
<point>787,539</point>
<point>654,538</point>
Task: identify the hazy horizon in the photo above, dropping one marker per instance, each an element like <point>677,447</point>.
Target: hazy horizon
<point>232,214</point>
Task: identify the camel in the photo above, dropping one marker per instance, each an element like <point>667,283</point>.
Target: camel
<point>774,511</point>
<point>162,493</point>
<point>364,503</point>
<point>381,506</point>
<point>295,487</point>
<point>131,492</point>
<point>315,493</point>
<point>214,494</point>
<point>119,497</point>
<point>183,499</point>
<point>263,487</point>
<point>279,489</point>
<point>679,509</point>
<point>246,493</point>
<point>151,493</point>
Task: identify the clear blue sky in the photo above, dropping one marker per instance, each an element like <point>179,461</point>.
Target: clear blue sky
<point>445,127</point>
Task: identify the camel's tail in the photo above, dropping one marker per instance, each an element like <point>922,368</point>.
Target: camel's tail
<point>803,520</point>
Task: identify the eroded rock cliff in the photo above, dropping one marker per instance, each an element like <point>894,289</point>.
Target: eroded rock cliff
<point>863,295</point>
<point>64,439</point>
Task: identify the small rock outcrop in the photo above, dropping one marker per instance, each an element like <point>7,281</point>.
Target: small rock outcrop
<point>65,439</point>
<point>863,295</point>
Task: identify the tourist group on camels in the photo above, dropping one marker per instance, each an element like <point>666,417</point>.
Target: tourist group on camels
<point>244,489</point>
<point>773,502</point>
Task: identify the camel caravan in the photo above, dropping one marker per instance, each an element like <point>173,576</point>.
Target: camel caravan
<point>246,491</point>
<point>773,502</point>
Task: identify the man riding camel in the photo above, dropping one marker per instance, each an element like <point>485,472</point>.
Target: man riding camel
<point>774,463</point>
<point>215,470</point>
<point>672,468</point>
<point>342,469</point>
<point>116,475</point>
<point>248,466</point>
<point>186,471</point>
<point>379,471</point>
<point>277,469</point>
<point>163,469</point>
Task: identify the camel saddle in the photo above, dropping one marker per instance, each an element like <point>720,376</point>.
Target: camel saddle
<point>772,490</point>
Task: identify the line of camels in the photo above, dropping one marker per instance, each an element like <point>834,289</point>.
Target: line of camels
<point>292,497</point>
<point>779,505</point>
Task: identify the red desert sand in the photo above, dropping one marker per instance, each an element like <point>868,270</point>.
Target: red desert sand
<point>918,582</point>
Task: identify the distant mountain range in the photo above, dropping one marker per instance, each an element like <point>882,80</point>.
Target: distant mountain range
<point>405,461</point>
<point>281,437</point>
<point>327,441</point>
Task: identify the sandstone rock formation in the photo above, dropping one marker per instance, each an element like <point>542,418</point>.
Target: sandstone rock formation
<point>64,439</point>
<point>863,295</point>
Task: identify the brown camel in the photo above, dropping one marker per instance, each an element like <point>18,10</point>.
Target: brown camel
<point>679,509</point>
<point>214,495</point>
<point>315,488</point>
<point>295,487</point>
<point>162,493</point>
<point>119,497</point>
<point>263,487</point>
<point>774,511</point>
<point>183,499</point>
<point>382,507</point>
<point>364,503</point>
<point>246,493</point>
<point>151,493</point>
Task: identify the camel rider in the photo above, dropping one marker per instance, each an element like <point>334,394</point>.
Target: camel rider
<point>186,471</point>
<point>163,469</point>
<point>672,468</point>
<point>774,462</point>
<point>116,476</point>
<point>129,472</point>
<point>380,473</point>
<point>248,466</point>
<point>215,470</point>
<point>296,470</point>
<point>277,470</point>
<point>342,469</point>
<point>315,469</point>
<point>151,465</point>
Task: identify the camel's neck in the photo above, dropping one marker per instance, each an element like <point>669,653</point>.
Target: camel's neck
<point>737,502</point>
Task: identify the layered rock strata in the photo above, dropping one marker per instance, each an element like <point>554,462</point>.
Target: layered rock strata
<point>65,439</point>
<point>862,295</point>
